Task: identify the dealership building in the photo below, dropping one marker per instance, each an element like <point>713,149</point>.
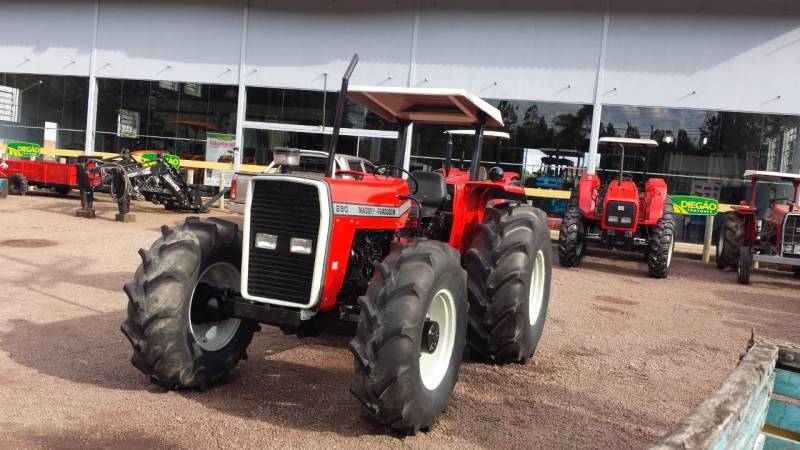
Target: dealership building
<point>715,83</point>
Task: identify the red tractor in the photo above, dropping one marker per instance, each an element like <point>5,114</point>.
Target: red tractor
<point>773,238</point>
<point>421,266</point>
<point>620,210</point>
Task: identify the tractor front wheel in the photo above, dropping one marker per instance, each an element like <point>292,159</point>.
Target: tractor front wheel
<point>175,324</point>
<point>662,244</point>
<point>745,265</point>
<point>410,336</point>
<point>18,184</point>
<point>571,239</point>
<point>731,239</point>
<point>509,264</point>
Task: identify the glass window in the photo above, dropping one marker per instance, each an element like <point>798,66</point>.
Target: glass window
<point>292,106</point>
<point>258,143</point>
<point>162,115</point>
<point>43,109</point>
<point>705,153</point>
<point>532,127</point>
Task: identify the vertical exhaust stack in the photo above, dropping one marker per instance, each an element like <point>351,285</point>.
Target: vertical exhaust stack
<point>337,120</point>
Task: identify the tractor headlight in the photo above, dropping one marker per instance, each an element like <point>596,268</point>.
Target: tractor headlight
<point>788,248</point>
<point>626,220</point>
<point>613,219</point>
<point>301,246</point>
<point>266,241</point>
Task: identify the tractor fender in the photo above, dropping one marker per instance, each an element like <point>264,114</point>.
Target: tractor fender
<point>655,196</point>
<point>588,186</point>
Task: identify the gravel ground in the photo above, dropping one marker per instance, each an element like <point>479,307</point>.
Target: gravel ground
<point>623,356</point>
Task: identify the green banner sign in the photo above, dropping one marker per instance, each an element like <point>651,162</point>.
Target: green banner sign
<point>148,159</point>
<point>24,149</point>
<point>689,205</point>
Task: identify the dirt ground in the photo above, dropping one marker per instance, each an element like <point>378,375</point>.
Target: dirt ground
<point>622,358</point>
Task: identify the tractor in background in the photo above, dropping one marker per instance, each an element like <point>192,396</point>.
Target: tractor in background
<point>773,238</point>
<point>423,266</point>
<point>495,174</point>
<point>620,209</point>
<point>558,171</point>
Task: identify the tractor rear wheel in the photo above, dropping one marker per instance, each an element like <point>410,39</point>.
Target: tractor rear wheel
<point>18,184</point>
<point>509,267</point>
<point>179,338</point>
<point>731,239</point>
<point>410,336</point>
<point>745,265</point>
<point>662,244</point>
<point>571,239</point>
<point>63,190</point>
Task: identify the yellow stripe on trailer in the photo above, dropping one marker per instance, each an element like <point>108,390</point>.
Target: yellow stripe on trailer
<point>547,193</point>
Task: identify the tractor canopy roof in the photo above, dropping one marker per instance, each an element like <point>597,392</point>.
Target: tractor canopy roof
<point>628,142</point>
<point>553,161</point>
<point>562,152</point>
<point>492,134</point>
<point>771,176</point>
<point>426,105</point>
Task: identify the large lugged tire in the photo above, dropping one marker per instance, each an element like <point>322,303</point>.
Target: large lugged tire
<point>662,244</point>
<point>796,271</point>
<point>401,384</point>
<point>509,268</point>
<point>170,345</point>
<point>571,239</point>
<point>18,184</point>
<point>744,265</point>
<point>731,239</point>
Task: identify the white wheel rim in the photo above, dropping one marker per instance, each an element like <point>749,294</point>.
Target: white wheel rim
<point>213,336</point>
<point>720,243</point>
<point>433,366</point>
<point>537,285</point>
<point>671,249</point>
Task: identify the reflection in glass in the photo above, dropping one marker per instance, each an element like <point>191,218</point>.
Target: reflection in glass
<point>162,115</point>
<point>29,104</point>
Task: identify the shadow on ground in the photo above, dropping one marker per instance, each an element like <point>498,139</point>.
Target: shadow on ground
<point>305,389</point>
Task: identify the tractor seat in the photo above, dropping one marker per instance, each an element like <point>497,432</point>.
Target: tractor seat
<point>431,192</point>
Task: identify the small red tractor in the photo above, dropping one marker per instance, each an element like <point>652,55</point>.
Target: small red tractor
<point>422,267</point>
<point>620,210</point>
<point>774,238</point>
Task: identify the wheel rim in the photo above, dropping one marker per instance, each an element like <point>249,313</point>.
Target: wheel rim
<point>671,249</point>
<point>433,366</point>
<point>537,284</point>
<point>720,244</point>
<point>212,336</point>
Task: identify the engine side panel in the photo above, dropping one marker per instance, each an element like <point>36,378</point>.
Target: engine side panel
<point>372,203</point>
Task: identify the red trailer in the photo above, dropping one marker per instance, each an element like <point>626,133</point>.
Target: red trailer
<point>57,176</point>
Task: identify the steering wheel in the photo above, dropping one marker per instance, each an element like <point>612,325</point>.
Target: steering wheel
<point>353,173</point>
<point>386,171</point>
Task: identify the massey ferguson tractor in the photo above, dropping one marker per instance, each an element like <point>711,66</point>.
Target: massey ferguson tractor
<point>620,210</point>
<point>774,238</point>
<point>423,266</point>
